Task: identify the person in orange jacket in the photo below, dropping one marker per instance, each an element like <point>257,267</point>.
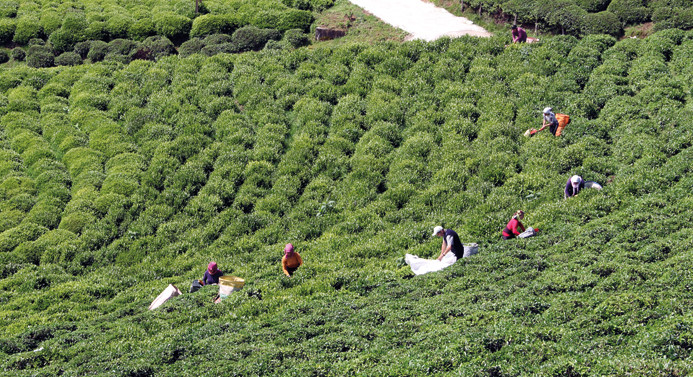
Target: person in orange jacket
<point>291,260</point>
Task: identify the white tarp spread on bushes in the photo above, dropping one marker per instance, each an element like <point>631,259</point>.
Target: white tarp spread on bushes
<point>422,266</point>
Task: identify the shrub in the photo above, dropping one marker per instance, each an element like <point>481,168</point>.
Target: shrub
<point>215,39</point>
<point>4,56</point>
<point>24,232</point>
<point>82,49</point>
<point>7,28</point>
<point>51,21</point>
<point>61,41</point>
<point>213,24</point>
<point>172,26</point>
<point>159,47</point>
<point>117,26</point>
<point>602,23</point>
<point>68,58</point>
<point>142,29</point>
<point>97,31</point>
<point>593,6</point>
<point>27,28</point>
<point>76,221</point>
<point>294,19</point>
<point>97,51</point>
<point>629,11</point>
<point>8,9</point>
<point>250,38</point>
<point>191,46</point>
<point>18,54</point>
<point>296,38</point>
<point>40,57</point>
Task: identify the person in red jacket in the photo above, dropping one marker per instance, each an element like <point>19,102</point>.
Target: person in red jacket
<point>291,260</point>
<point>510,230</point>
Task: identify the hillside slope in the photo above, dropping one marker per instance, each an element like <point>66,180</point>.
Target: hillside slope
<point>117,180</point>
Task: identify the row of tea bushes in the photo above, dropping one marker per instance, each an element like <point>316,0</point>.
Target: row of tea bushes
<point>118,179</point>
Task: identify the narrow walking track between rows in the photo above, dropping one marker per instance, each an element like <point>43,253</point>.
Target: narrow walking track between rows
<point>420,19</point>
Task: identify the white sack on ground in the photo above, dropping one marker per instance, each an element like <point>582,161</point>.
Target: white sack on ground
<point>530,232</point>
<point>421,266</point>
<point>170,291</point>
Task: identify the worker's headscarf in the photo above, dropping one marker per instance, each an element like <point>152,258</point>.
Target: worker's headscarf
<point>288,249</point>
<point>212,268</point>
<point>575,182</point>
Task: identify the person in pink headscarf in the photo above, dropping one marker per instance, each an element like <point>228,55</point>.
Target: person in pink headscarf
<point>212,274</point>
<point>291,260</point>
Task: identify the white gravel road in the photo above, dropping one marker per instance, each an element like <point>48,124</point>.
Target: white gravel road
<point>420,19</point>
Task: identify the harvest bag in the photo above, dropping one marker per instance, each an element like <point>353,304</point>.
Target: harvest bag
<point>228,284</point>
<point>563,121</point>
<point>170,291</point>
<point>530,232</point>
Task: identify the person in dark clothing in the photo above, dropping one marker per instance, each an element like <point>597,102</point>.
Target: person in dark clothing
<point>510,230</point>
<point>573,186</point>
<point>451,242</point>
<point>519,34</point>
<point>212,274</point>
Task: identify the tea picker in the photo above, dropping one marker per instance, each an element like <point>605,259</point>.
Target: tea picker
<point>576,183</point>
<point>450,251</point>
<point>291,260</point>
<point>555,122</point>
<point>511,229</point>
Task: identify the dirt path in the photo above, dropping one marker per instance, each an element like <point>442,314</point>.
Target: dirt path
<point>421,20</point>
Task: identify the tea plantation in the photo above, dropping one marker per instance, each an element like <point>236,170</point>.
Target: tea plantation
<point>117,180</point>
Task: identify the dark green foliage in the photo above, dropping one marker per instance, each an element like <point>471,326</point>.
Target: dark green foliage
<point>296,38</point>
<point>18,54</point>
<point>97,51</point>
<point>82,49</point>
<point>602,23</point>
<point>172,26</point>
<point>159,47</point>
<point>251,38</point>
<point>213,24</point>
<point>630,11</point>
<point>27,28</point>
<point>4,56</point>
<point>40,57</point>
<point>7,29</point>
<point>68,58</point>
<point>191,46</point>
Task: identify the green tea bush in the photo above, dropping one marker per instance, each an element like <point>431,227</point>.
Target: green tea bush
<point>40,57</point>
<point>172,26</point>
<point>7,29</point>
<point>159,47</point>
<point>296,38</point>
<point>18,54</point>
<point>26,29</point>
<point>630,12</point>
<point>141,29</point>
<point>250,38</point>
<point>191,46</point>
<point>68,58</point>
<point>97,51</point>
<point>209,24</point>
<point>602,23</point>
<point>24,232</point>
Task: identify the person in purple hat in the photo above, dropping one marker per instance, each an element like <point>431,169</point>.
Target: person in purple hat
<point>573,186</point>
<point>212,274</point>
